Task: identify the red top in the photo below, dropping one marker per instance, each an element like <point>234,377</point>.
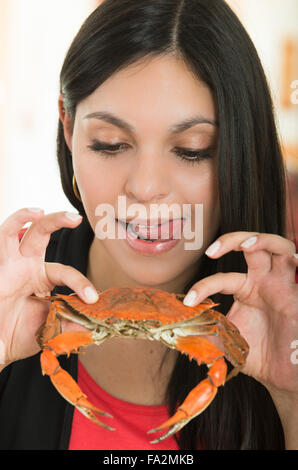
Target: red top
<point>131,422</point>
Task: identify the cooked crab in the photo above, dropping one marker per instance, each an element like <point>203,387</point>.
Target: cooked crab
<point>146,313</point>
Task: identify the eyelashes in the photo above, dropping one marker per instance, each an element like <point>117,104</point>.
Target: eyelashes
<point>190,156</point>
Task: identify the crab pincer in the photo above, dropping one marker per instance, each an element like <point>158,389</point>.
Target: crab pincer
<point>66,343</point>
<point>202,395</point>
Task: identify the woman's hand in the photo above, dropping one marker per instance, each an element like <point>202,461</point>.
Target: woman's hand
<point>265,307</point>
<point>23,272</point>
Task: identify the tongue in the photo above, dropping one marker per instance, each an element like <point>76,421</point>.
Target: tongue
<point>165,231</point>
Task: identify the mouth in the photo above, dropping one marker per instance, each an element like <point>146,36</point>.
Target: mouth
<point>152,233</point>
<point>151,240</point>
<point>142,232</point>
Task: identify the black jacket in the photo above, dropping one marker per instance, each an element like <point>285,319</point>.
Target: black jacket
<point>33,415</point>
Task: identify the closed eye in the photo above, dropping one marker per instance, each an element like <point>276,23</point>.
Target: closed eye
<point>191,156</point>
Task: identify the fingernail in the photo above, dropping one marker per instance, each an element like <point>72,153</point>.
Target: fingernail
<point>213,248</point>
<point>190,299</point>
<point>296,256</point>
<point>249,242</point>
<point>73,216</point>
<point>90,294</point>
<point>34,209</point>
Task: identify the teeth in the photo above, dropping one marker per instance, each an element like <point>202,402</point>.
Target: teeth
<point>146,229</point>
<point>130,229</point>
<point>147,226</point>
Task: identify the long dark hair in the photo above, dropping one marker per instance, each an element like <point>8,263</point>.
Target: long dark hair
<point>211,40</point>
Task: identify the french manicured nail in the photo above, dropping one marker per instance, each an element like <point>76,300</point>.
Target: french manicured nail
<point>90,294</point>
<point>213,248</point>
<point>249,242</point>
<point>73,216</point>
<point>34,209</point>
<point>190,299</point>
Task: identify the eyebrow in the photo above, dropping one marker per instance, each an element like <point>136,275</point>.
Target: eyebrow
<point>175,129</point>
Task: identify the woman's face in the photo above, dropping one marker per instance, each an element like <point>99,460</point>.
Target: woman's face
<point>151,98</point>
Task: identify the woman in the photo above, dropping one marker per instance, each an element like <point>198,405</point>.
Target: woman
<point>134,73</point>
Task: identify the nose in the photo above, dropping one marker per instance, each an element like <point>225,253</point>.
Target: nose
<point>148,179</point>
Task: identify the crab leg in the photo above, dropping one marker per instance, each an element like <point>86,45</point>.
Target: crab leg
<point>66,343</point>
<point>202,395</point>
<point>49,329</point>
<point>236,348</point>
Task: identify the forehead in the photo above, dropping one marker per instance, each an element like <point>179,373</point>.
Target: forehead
<point>156,90</point>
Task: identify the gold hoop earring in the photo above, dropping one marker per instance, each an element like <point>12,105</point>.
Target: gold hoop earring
<point>75,188</point>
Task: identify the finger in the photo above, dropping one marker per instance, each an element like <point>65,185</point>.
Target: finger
<point>257,248</point>
<point>285,267</point>
<point>9,229</point>
<point>266,253</point>
<point>57,274</point>
<point>37,237</point>
<point>250,242</point>
<point>224,283</point>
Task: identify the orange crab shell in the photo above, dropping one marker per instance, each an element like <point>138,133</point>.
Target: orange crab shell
<point>136,305</point>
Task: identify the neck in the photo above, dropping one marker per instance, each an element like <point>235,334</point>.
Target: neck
<point>131,370</point>
<point>134,370</point>
<point>104,272</point>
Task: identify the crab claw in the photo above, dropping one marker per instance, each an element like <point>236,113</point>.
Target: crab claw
<point>200,397</point>
<point>69,389</point>
<point>196,402</point>
<point>62,380</point>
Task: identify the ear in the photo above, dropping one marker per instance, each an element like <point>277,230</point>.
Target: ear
<point>66,122</point>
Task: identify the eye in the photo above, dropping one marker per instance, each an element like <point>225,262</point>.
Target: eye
<point>194,156</point>
<point>106,149</point>
<point>190,156</point>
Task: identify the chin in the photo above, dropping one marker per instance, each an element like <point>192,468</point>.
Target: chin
<point>152,278</point>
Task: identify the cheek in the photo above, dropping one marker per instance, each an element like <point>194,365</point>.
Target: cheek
<point>210,200</point>
<point>202,188</point>
<point>96,176</point>
<point>98,181</point>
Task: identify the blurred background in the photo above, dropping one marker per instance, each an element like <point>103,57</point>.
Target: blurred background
<point>34,38</point>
